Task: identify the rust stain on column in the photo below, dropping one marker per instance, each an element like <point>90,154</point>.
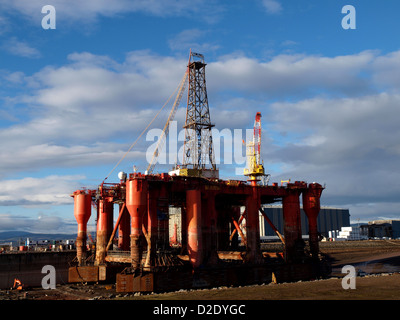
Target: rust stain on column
<point>104,228</point>
<point>311,206</point>
<point>136,202</point>
<point>82,212</point>
<point>292,223</point>
<point>124,230</point>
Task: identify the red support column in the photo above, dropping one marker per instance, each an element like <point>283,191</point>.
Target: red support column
<point>209,228</point>
<point>174,238</point>
<point>136,202</point>
<point>195,241</point>
<point>104,228</point>
<point>311,206</point>
<point>292,224</point>
<point>183,227</point>
<point>163,218</point>
<point>124,230</point>
<point>151,225</point>
<point>82,212</point>
<point>253,226</point>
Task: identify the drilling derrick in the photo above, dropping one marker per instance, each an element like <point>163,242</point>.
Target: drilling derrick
<point>255,167</point>
<point>198,154</point>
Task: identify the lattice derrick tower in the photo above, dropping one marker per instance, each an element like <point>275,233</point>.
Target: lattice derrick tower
<point>198,147</point>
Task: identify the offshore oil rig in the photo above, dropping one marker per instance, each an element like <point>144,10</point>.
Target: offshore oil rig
<point>136,252</point>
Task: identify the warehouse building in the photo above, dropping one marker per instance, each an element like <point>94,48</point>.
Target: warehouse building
<point>380,229</point>
<point>329,218</point>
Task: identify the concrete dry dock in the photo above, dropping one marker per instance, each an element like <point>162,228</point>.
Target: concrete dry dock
<point>380,255</point>
<point>27,267</point>
<point>382,287</point>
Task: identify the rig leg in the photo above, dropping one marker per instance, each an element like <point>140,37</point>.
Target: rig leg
<point>311,206</point>
<point>292,225</point>
<point>195,241</point>
<point>253,228</point>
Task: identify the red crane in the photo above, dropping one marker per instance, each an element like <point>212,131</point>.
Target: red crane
<point>257,138</point>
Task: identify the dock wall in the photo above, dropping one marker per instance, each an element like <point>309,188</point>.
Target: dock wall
<point>27,267</point>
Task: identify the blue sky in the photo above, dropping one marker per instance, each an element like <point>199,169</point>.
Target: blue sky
<point>73,99</point>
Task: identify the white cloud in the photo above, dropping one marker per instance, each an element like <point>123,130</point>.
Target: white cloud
<point>20,48</point>
<point>288,75</point>
<point>351,144</point>
<point>50,190</point>
<point>37,157</point>
<point>373,211</point>
<point>41,223</point>
<point>330,122</point>
<point>90,84</point>
<point>79,13</point>
<point>272,6</point>
<point>78,109</point>
<point>289,43</point>
<point>191,39</point>
<point>386,71</point>
<point>4,25</point>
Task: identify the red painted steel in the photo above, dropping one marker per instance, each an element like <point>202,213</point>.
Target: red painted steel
<point>272,225</point>
<point>311,206</point>
<point>82,213</point>
<point>209,211</point>
<point>292,224</point>
<point>174,239</point>
<point>150,223</point>
<point>209,228</point>
<point>253,226</point>
<point>122,210</point>
<point>195,241</point>
<point>257,137</point>
<point>162,218</point>
<point>136,203</point>
<point>124,230</point>
<point>104,227</point>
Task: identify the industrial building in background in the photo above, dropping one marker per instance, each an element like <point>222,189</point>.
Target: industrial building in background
<point>139,254</point>
<point>378,229</point>
<point>329,219</point>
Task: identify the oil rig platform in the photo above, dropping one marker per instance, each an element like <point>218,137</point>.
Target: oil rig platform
<point>220,242</point>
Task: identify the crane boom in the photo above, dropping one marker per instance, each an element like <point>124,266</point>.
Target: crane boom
<point>164,133</point>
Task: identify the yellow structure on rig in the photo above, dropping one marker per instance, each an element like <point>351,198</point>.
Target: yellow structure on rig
<point>255,165</point>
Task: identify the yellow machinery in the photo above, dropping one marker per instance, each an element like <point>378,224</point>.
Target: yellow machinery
<point>255,166</point>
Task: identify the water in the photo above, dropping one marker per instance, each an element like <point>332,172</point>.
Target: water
<point>389,265</point>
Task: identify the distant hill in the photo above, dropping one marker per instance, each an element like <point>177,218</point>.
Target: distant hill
<point>16,236</point>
